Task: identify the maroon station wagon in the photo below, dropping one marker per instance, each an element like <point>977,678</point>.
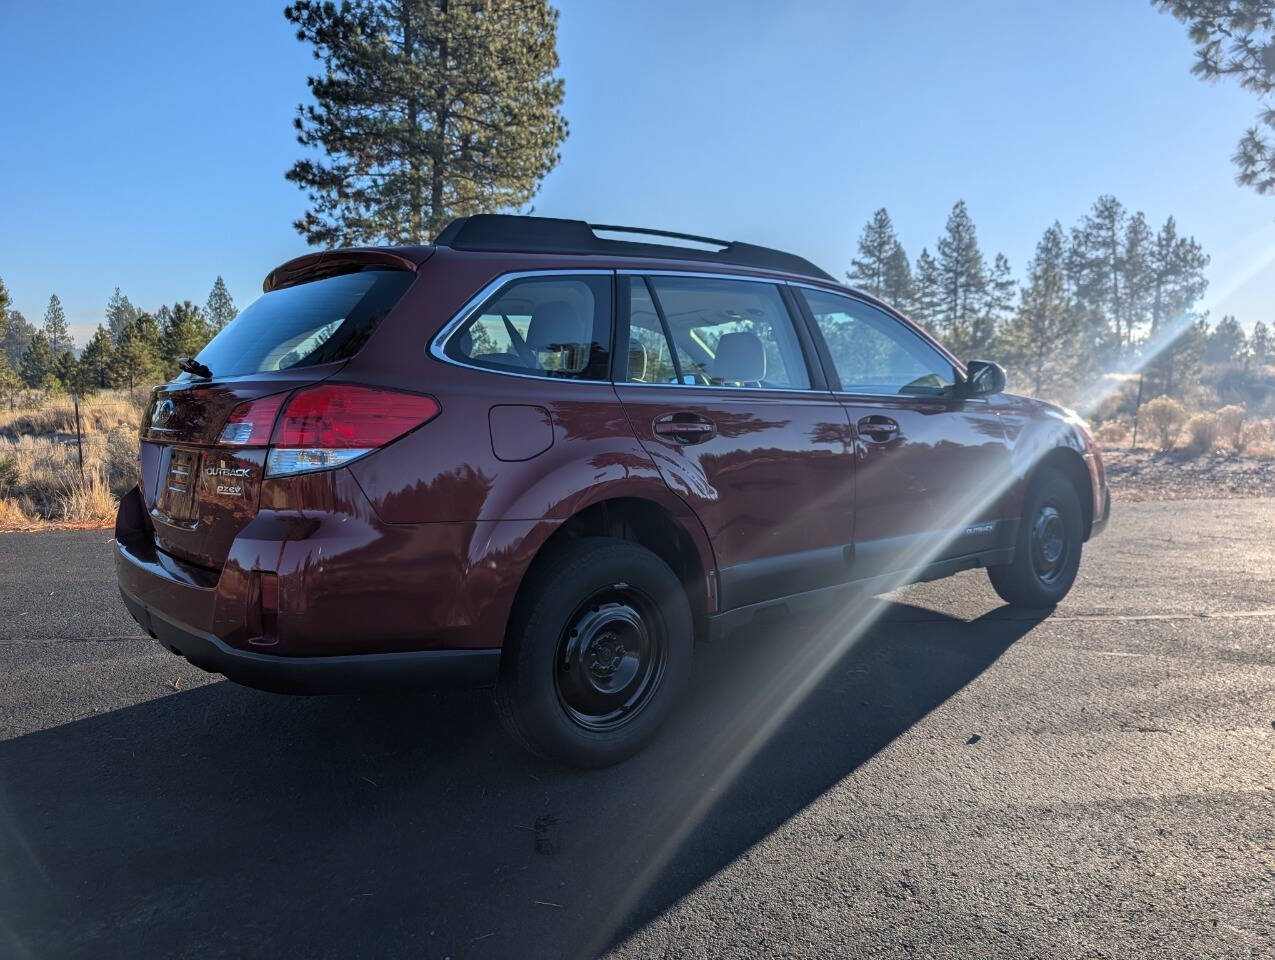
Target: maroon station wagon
<point>537,455</point>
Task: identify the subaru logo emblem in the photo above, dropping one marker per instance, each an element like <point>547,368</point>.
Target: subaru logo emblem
<point>163,412</point>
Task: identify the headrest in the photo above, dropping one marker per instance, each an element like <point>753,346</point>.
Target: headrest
<point>740,358</point>
<point>556,325</point>
<point>637,360</point>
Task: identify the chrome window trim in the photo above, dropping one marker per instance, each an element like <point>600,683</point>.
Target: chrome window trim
<point>439,342</point>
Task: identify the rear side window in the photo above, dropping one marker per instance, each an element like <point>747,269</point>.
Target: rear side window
<point>317,322</point>
<point>552,326</point>
<point>726,333</point>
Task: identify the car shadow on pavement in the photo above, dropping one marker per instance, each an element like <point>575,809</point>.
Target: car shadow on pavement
<point>231,822</point>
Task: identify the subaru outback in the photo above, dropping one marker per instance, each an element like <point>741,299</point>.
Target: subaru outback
<point>537,455</point>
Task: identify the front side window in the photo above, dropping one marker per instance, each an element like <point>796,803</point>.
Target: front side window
<point>726,333</point>
<point>873,353</point>
<point>551,326</point>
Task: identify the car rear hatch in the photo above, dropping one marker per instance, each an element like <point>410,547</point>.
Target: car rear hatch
<point>205,439</point>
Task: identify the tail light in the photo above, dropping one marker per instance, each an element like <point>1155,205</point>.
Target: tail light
<point>250,423</point>
<point>332,424</point>
<point>326,425</point>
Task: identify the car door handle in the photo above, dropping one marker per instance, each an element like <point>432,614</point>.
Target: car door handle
<point>878,429</point>
<point>684,427</point>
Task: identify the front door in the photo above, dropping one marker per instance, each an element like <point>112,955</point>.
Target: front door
<point>721,390</point>
<point>933,468</point>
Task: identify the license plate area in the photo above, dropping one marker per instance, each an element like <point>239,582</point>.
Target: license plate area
<point>176,499</point>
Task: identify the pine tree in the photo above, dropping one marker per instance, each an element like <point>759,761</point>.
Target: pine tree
<point>998,304</point>
<point>17,337</point>
<point>1260,343</point>
<point>119,314</point>
<point>5,303</point>
<point>1095,265</point>
<point>1041,339</point>
<point>927,290</point>
<point>184,335</point>
<point>220,308</point>
<point>1236,38</point>
<point>38,361</point>
<point>1227,342</point>
<point>138,357</point>
<point>426,110</point>
<point>877,245</point>
<point>1137,277</point>
<point>93,370</point>
<point>6,373</point>
<point>897,290</point>
<point>1175,271</point>
<point>963,282</point>
<point>56,330</point>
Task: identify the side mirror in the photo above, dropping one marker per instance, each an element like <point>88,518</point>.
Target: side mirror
<point>984,378</point>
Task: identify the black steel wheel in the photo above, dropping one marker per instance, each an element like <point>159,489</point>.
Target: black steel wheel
<point>598,652</point>
<point>1047,548</point>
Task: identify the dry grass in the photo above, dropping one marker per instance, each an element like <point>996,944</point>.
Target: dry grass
<point>40,476</point>
<point>1226,431</point>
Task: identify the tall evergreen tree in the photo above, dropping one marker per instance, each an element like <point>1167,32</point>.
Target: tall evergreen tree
<point>1042,339</point>
<point>998,303</point>
<point>5,303</point>
<point>119,314</point>
<point>1175,271</point>
<point>185,333</point>
<point>927,292</point>
<point>97,361</point>
<point>426,110</point>
<point>38,361</point>
<point>1236,38</point>
<point>56,330</point>
<point>220,308</point>
<point>963,283</point>
<point>1095,264</point>
<point>1227,342</point>
<point>17,336</point>
<point>877,245</point>
<point>138,356</point>
<point>897,290</point>
<point>1260,343</point>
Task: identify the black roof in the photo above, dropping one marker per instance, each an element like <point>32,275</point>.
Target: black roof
<point>506,232</point>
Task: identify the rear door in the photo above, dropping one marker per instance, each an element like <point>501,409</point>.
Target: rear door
<point>932,468</point>
<point>721,391</point>
<point>204,440</point>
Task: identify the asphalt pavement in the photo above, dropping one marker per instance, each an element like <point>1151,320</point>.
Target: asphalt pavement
<point>955,779</point>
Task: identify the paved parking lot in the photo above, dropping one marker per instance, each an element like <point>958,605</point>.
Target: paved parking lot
<point>959,780</point>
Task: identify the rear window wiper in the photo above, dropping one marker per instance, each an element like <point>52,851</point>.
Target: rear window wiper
<point>191,365</point>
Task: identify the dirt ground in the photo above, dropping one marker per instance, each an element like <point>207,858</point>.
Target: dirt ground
<point>1178,475</point>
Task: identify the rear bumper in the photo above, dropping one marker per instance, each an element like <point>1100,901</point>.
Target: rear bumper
<point>339,674</point>
<point>207,617</point>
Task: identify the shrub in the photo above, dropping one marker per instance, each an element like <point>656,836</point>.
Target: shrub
<point>1112,432</point>
<point>1165,416</point>
<point>1202,428</point>
<point>1230,426</point>
<point>13,514</point>
<point>8,471</point>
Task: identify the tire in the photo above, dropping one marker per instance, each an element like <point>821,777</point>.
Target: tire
<point>593,697</point>
<point>1051,522</point>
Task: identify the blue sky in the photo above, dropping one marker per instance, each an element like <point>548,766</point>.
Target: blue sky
<point>146,148</point>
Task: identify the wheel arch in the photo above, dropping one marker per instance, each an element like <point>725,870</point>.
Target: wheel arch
<point>679,541</point>
<point>1071,465</point>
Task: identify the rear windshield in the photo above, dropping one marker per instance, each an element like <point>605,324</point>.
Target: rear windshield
<point>317,322</point>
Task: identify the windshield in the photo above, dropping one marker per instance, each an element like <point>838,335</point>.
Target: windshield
<point>317,322</point>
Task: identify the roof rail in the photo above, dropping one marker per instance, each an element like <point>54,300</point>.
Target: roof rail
<point>507,232</point>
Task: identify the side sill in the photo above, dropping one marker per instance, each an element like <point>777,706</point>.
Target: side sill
<point>723,624</point>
